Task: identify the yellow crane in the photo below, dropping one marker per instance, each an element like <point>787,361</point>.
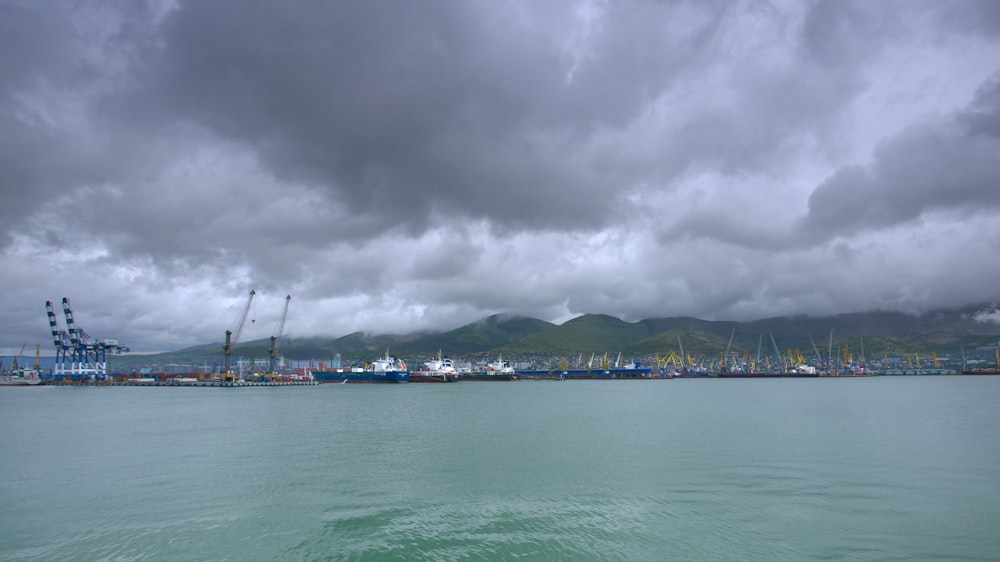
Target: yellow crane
<point>670,358</point>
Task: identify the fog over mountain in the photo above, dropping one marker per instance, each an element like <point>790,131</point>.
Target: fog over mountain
<point>408,166</point>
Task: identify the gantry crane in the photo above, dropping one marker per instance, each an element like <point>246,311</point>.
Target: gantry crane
<point>77,353</point>
<point>233,337</point>
<point>276,338</point>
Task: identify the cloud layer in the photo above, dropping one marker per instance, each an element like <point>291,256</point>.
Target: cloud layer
<point>402,167</point>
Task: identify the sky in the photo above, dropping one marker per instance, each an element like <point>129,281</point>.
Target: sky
<point>413,166</point>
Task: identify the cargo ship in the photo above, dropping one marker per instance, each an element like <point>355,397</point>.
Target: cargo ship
<point>635,371</point>
<point>20,377</point>
<point>602,370</point>
<point>500,371</point>
<point>441,369</point>
<point>987,371</point>
<point>684,373</point>
<point>384,370</point>
<point>741,374</point>
<point>763,375</point>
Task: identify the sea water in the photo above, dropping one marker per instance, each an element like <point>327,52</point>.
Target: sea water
<point>891,468</point>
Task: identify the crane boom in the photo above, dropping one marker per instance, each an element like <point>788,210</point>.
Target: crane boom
<point>728,345</point>
<point>74,337</point>
<point>819,358</point>
<point>231,337</point>
<point>17,360</point>
<point>59,337</point>
<point>829,352</point>
<point>276,338</point>
<point>777,353</point>
<point>243,318</point>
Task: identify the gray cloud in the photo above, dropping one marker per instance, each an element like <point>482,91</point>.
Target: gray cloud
<point>934,167</point>
<point>398,166</point>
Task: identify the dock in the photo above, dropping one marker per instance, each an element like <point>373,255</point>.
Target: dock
<point>169,383</point>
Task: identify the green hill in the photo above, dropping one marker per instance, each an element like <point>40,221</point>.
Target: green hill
<point>588,333</point>
<point>516,337</point>
<point>479,337</point>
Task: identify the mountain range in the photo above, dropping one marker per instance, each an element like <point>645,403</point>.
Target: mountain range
<point>894,333</point>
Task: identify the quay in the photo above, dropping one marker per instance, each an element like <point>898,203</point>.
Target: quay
<point>171,383</point>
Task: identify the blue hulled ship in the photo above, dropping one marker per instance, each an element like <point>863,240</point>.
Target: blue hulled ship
<point>384,370</point>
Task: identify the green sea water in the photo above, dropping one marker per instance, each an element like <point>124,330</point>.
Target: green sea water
<point>891,468</point>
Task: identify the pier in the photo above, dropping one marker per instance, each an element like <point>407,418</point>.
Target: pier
<point>171,383</point>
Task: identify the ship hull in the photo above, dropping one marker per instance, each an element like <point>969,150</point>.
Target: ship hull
<point>417,376</point>
<point>742,375</point>
<point>484,377</point>
<point>361,377</point>
<point>14,381</point>
<point>590,374</point>
<point>26,378</point>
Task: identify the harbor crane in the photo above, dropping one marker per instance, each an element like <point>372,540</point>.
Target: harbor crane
<point>17,360</point>
<point>784,367</point>
<point>233,337</point>
<point>276,338</point>
<point>77,353</point>
<point>819,358</point>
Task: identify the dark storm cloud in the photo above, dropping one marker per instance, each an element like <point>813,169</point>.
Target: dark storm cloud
<point>936,167</point>
<point>413,112</point>
<point>401,165</point>
<point>976,16</point>
<point>982,116</point>
<point>58,61</point>
<point>34,49</point>
<point>392,108</point>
